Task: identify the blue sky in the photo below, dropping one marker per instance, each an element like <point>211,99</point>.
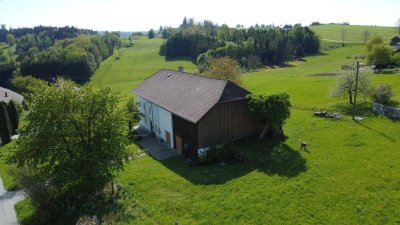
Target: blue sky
<point>129,15</point>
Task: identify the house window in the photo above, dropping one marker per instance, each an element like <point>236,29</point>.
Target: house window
<point>144,106</point>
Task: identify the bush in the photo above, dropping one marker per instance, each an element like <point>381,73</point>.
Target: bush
<point>382,94</point>
<point>219,153</point>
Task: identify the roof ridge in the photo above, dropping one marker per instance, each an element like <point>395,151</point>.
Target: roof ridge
<point>196,74</point>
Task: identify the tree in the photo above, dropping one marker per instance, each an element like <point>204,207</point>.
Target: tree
<point>382,94</point>
<point>376,40</point>
<point>380,56</point>
<point>365,36</point>
<point>13,116</point>
<point>3,27</point>
<point>299,51</point>
<point>5,124</point>
<point>184,23</point>
<point>272,110</point>
<point>26,84</point>
<point>343,34</point>
<point>130,39</point>
<point>224,68</point>
<point>133,112</point>
<point>346,82</point>
<point>74,138</point>
<point>10,39</point>
<point>151,34</point>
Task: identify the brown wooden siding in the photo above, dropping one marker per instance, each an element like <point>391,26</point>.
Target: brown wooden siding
<point>187,131</point>
<point>226,122</point>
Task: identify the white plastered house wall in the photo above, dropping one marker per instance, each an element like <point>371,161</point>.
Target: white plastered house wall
<point>157,120</point>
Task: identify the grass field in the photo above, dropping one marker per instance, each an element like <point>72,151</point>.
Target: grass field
<point>8,181</point>
<point>353,33</point>
<point>349,175</point>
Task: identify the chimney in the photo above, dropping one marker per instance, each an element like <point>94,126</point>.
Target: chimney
<point>180,69</point>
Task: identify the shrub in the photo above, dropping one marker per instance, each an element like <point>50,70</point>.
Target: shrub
<point>219,153</point>
<point>382,94</point>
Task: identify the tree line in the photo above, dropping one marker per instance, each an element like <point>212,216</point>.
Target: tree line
<point>260,45</point>
<point>49,52</point>
<point>55,33</point>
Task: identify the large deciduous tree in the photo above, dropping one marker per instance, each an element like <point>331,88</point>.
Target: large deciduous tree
<point>346,83</point>
<point>224,68</point>
<point>272,110</point>
<point>74,140</point>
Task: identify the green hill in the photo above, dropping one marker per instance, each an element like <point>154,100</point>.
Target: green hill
<point>136,64</point>
<point>353,33</point>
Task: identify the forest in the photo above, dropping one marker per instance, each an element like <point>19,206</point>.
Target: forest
<point>48,52</point>
<point>252,47</point>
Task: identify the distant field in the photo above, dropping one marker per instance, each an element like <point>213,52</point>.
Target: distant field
<point>353,32</point>
<point>136,64</point>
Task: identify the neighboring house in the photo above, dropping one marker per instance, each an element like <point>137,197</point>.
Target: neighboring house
<point>6,95</point>
<point>395,41</point>
<point>287,27</point>
<point>190,111</point>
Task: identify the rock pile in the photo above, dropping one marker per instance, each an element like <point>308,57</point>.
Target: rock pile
<point>325,114</point>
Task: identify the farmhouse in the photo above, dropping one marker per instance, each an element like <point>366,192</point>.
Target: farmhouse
<point>189,111</point>
<point>395,40</point>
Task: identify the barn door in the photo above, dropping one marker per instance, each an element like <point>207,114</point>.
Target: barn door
<point>178,143</point>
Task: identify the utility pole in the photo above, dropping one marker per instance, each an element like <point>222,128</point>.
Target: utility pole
<point>355,94</point>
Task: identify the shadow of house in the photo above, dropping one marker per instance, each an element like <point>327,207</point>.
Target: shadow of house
<point>270,157</point>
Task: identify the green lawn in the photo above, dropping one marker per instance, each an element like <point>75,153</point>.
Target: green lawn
<point>136,64</point>
<point>349,175</point>
<point>353,32</point>
<point>8,181</point>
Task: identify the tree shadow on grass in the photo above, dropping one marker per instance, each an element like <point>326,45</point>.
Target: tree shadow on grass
<point>377,131</point>
<point>363,108</point>
<point>270,157</point>
<point>107,209</point>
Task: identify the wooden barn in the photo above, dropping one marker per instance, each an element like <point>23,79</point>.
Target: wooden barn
<point>190,111</point>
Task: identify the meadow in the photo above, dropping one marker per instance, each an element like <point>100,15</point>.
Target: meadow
<point>349,175</point>
<point>353,33</point>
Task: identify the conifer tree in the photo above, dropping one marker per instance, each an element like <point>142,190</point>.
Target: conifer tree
<point>5,125</point>
<point>13,116</point>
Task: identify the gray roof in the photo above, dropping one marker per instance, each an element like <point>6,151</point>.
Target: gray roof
<point>186,95</point>
<point>11,95</point>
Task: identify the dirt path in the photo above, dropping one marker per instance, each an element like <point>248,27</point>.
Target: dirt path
<point>7,201</point>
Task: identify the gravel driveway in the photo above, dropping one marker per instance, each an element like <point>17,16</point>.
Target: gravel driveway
<point>7,202</point>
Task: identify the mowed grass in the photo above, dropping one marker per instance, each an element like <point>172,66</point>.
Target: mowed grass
<point>349,175</point>
<point>353,33</point>
<point>8,180</point>
<point>135,65</point>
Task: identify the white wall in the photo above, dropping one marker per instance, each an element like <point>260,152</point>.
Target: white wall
<point>161,118</point>
<point>144,108</point>
<point>165,118</point>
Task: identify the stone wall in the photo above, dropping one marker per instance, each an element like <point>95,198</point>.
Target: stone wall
<point>388,111</point>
